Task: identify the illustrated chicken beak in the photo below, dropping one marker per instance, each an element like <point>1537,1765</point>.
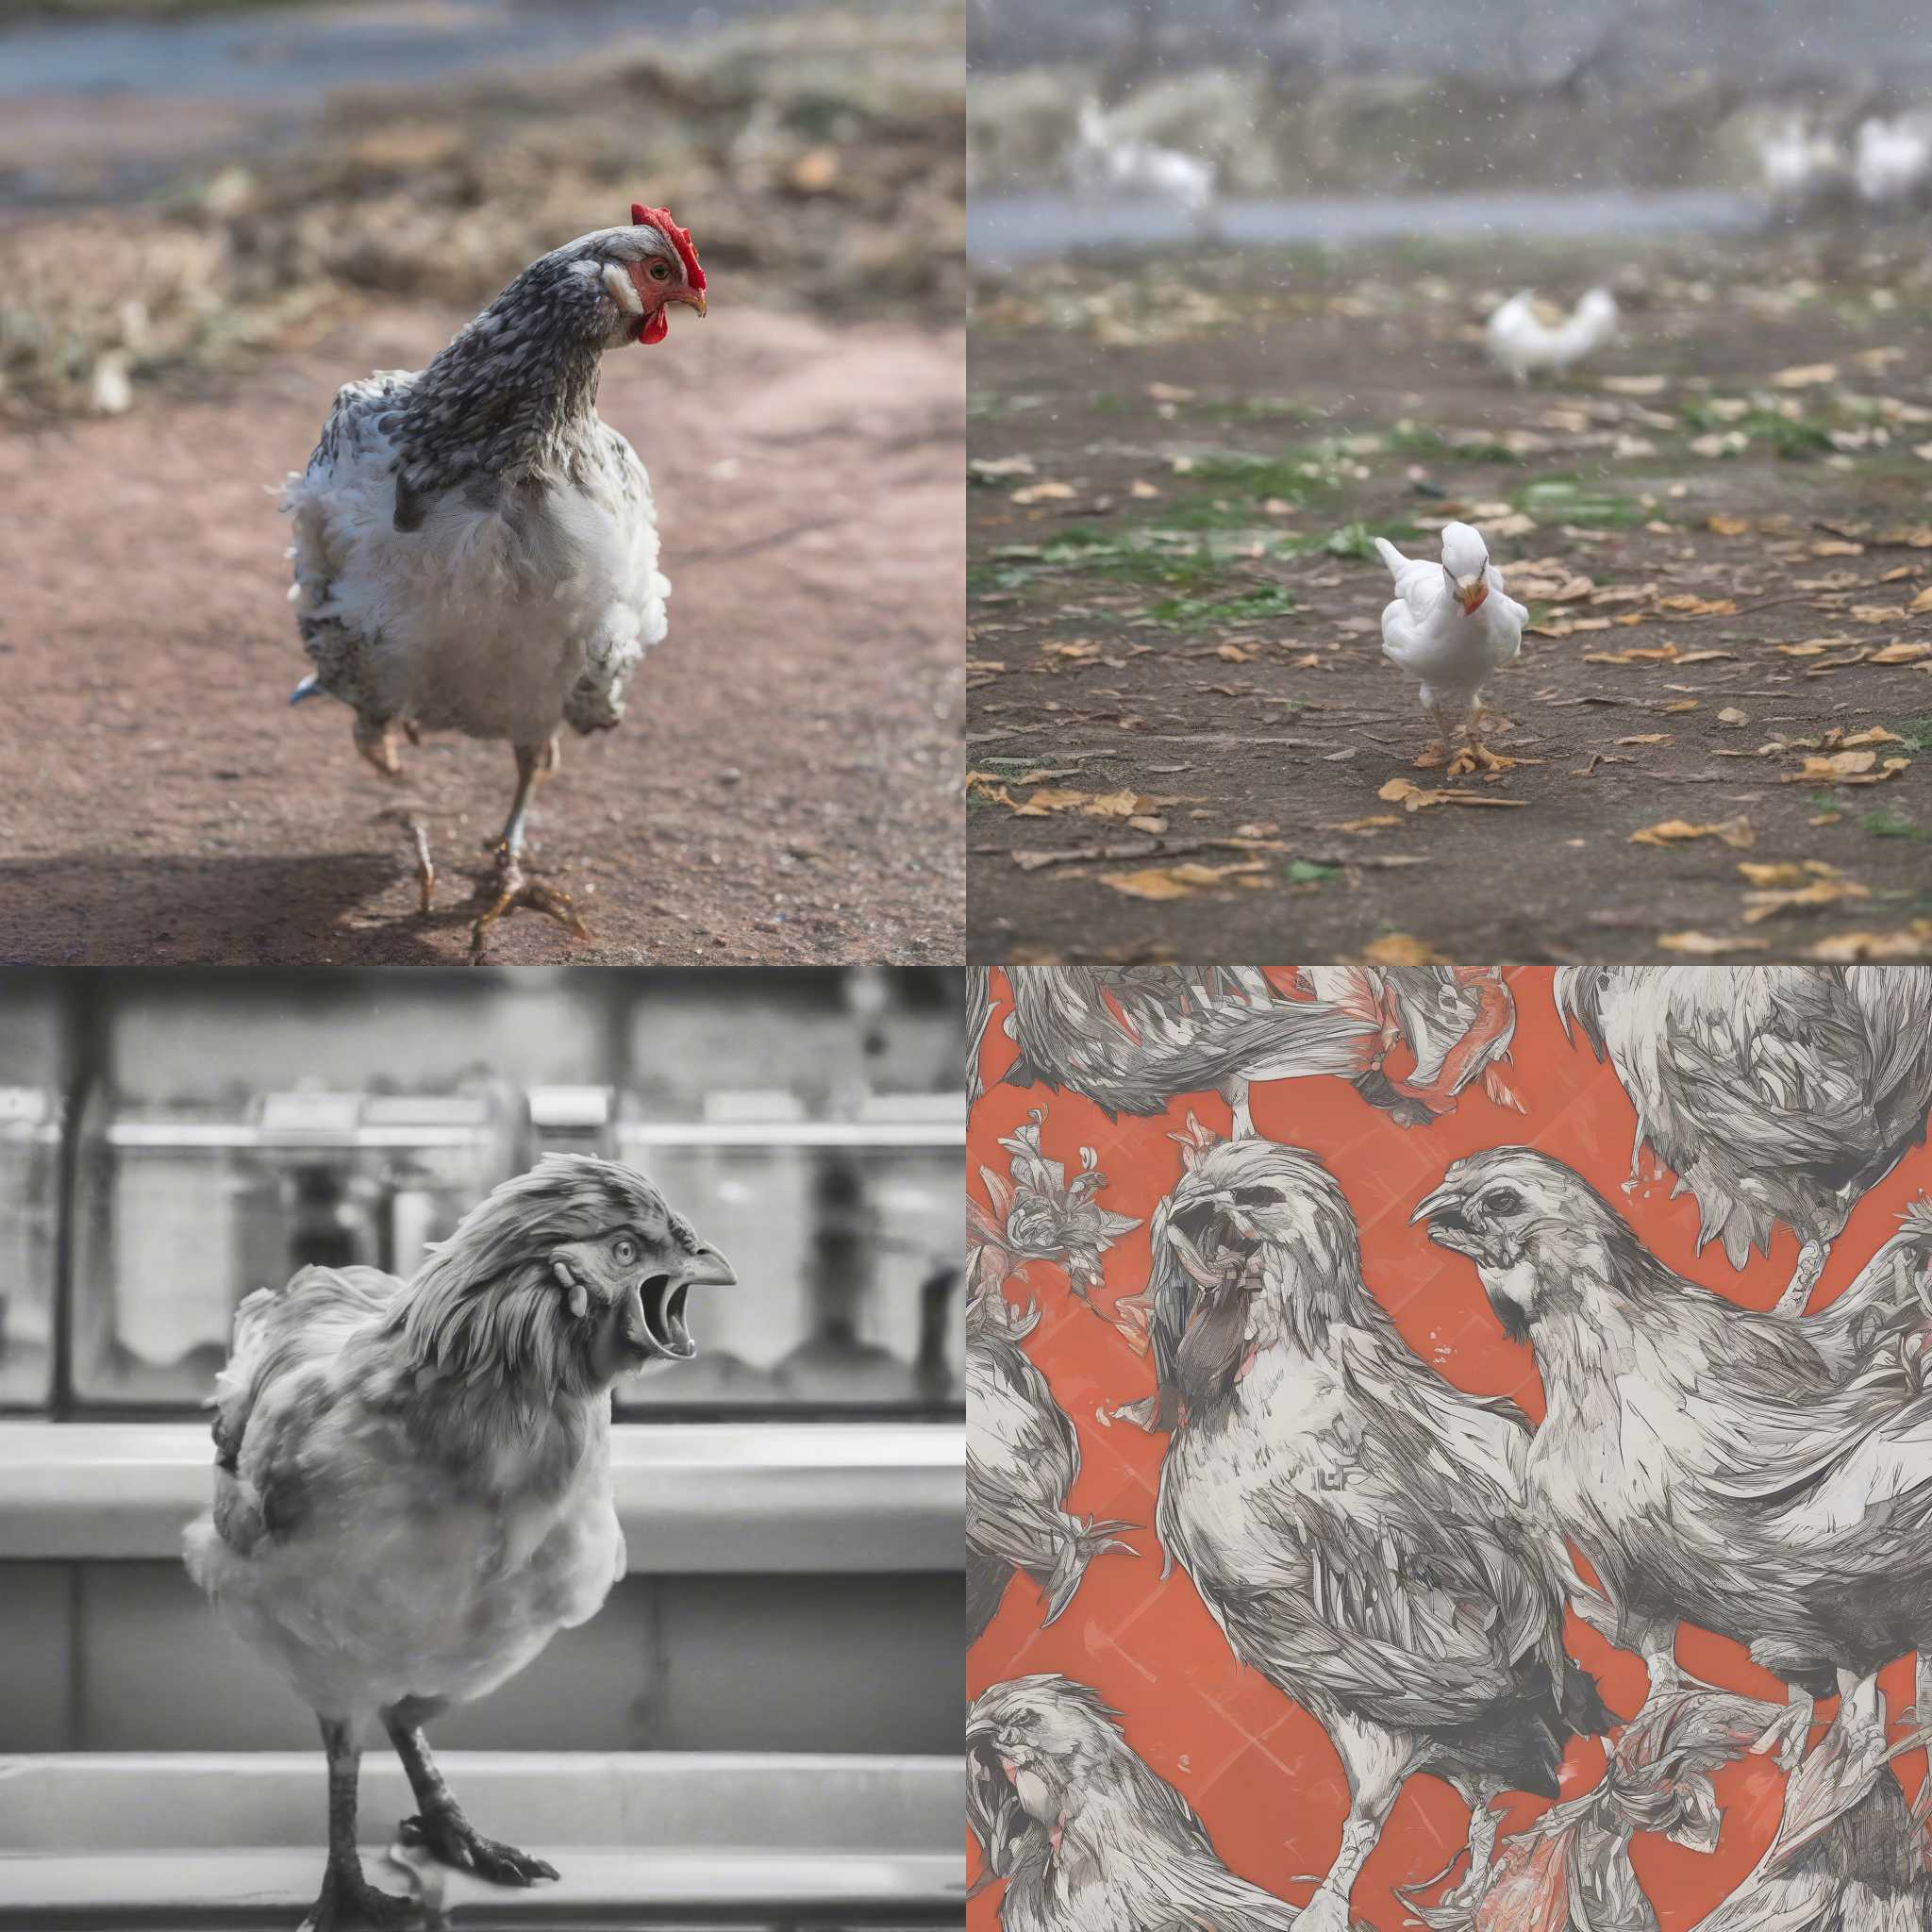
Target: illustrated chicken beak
<point>1470,592</point>
<point>1445,1202</point>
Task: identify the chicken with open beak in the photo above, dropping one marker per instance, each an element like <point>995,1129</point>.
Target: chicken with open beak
<point>1450,625</point>
<point>1354,1524</point>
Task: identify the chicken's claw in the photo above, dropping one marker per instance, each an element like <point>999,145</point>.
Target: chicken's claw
<point>1479,757</point>
<point>347,1899</point>
<point>513,889</point>
<point>451,1837</point>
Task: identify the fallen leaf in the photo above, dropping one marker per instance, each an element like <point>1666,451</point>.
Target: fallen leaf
<point>1141,489</point>
<point>1729,527</point>
<point>1635,385</point>
<point>1400,949</point>
<point>1176,881</point>
<point>1112,805</point>
<point>1782,871</point>
<point>1820,893</point>
<point>1374,825</point>
<point>1805,376</point>
<point>1050,798</point>
<point>1233,654</point>
<point>1046,491</point>
<point>1735,832</point>
<point>1413,798</point>
<point>1913,944</point>
<point>1731,715</point>
<point>1900,653</point>
<point>1700,942</point>
<point>1647,737</point>
<point>1700,606</point>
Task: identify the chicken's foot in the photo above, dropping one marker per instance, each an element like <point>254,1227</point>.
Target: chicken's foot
<point>346,1895</point>
<point>511,886</point>
<point>441,1828</point>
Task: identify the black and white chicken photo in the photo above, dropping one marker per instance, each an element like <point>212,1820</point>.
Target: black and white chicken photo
<point>1540,1556</point>
<point>476,550</point>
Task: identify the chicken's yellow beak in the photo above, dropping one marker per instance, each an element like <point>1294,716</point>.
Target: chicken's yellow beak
<point>692,298</point>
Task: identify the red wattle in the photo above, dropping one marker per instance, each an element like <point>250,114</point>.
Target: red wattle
<point>657,328</point>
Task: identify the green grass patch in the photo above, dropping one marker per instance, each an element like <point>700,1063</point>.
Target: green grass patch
<point>1917,733</point>
<point>1576,501</point>
<point>1247,607</point>
<point>1422,440</point>
<point>1886,823</point>
<point>1306,871</point>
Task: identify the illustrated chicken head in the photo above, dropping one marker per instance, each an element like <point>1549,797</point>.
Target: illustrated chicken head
<point>647,267</point>
<point>1252,1229</point>
<point>1538,1233</point>
<point>567,1277</point>
<point>1033,1746</point>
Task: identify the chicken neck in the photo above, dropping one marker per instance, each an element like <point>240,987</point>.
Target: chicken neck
<point>504,401</point>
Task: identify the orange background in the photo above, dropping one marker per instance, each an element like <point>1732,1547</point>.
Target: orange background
<point>1257,1767</point>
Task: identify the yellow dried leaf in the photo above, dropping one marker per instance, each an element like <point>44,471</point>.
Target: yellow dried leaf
<point>1112,805</point>
<point>1782,871</point>
<point>1734,832</point>
<point>1820,893</point>
<point>1729,527</point>
<point>1900,653</point>
<point>1047,490</point>
<point>1176,881</point>
<point>1914,942</point>
<point>1413,798</point>
<point>1401,949</point>
<point>1922,603</point>
<point>1703,945</point>
<point>1232,654</point>
<point>1805,376</point>
<point>1647,737</point>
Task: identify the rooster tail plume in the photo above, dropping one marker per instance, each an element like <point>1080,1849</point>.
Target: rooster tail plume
<point>1079,1543</point>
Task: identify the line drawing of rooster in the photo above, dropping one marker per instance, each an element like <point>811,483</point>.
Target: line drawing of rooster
<point>412,1488</point>
<point>1087,1836</point>
<point>1764,1478</point>
<point>1021,1458</point>
<point>1356,1526</point>
<point>1774,1093</point>
<point>475,549</point>
<point>1132,1037</point>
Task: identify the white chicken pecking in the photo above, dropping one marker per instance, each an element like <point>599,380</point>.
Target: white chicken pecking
<point>1802,166</point>
<point>1892,164</point>
<point>1524,344</point>
<point>1101,162</point>
<point>1450,625</point>
<point>475,549</point>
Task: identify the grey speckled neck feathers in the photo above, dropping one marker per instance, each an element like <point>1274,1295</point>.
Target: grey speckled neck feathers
<point>512,392</point>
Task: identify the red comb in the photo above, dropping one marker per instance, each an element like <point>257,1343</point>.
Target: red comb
<point>659,218</point>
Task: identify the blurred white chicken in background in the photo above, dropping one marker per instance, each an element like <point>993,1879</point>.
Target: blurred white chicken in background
<point>1450,625</point>
<point>1891,164</point>
<point>1101,164</point>
<point>1526,342</point>
<point>1802,166</point>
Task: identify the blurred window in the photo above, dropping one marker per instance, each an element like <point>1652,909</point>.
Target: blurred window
<point>29,1244</point>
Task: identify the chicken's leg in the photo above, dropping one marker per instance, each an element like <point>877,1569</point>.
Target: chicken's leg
<point>1475,755</point>
<point>1376,1765</point>
<point>346,1895</point>
<point>511,886</point>
<point>440,1825</point>
<point>1812,1260</point>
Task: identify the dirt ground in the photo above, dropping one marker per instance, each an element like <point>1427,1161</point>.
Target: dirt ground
<point>1183,739</point>
<point>783,789</point>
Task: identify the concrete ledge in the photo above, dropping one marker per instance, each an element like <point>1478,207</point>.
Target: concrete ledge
<point>703,1498</point>
<point>641,1839</point>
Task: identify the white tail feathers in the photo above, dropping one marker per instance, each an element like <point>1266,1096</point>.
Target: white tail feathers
<point>1389,554</point>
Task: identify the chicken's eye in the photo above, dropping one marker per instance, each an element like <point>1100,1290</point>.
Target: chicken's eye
<point>1255,1197</point>
<point>660,270</point>
<point>1503,1201</point>
<point>627,1250</point>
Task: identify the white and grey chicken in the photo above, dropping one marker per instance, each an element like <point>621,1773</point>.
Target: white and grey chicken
<point>1891,161</point>
<point>475,549</point>
<point>1802,166</point>
<point>1450,625</point>
<point>1100,162</point>
<point>1523,342</point>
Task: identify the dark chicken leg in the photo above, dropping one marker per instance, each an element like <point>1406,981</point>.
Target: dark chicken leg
<point>512,887</point>
<point>347,1896</point>
<point>440,1825</point>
